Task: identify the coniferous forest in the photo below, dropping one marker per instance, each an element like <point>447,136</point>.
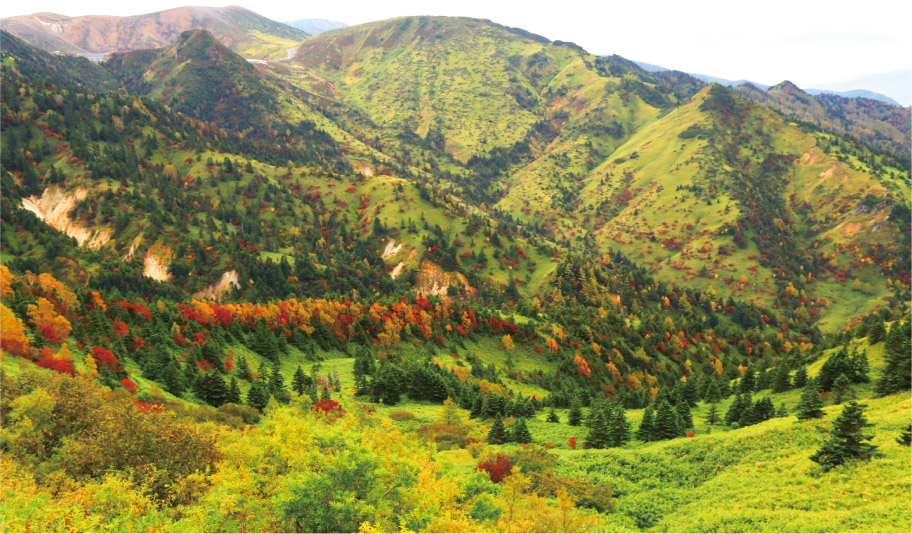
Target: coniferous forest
<point>438,274</point>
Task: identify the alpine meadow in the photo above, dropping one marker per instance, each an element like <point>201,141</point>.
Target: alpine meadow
<point>439,274</point>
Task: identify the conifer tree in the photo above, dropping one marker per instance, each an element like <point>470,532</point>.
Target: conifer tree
<point>666,423</point>
<point>645,430</point>
<point>172,378</point>
<point>257,396</point>
<point>847,441</point>
<point>860,366</point>
<point>876,331</point>
<point>801,377</point>
<point>234,392</point>
<point>477,406</point>
<point>598,437</point>
<point>782,411</point>
<point>781,380</point>
<point>737,408</point>
<point>618,427</point>
<point>809,407</point>
<point>747,381</point>
<point>575,417</point>
<point>243,369</point>
<point>897,374</point>
<point>519,433</point>
<point>905,437</point>
<point>498,434</point>
<point>299,381</point>
<point>842,389</point>
<point>683,409</point>
<point>552,417</point>
<point>713,391</point>
<point>712,414</point>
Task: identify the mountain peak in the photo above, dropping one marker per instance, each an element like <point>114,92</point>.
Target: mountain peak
<point>786,86</point>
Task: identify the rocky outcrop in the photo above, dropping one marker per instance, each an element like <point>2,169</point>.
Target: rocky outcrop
<point>227,282</point>
<point>54,207</point>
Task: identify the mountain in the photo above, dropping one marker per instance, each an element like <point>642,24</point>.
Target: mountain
<point>243,31</point>
<point>894,83</point>
<point>35,64</point>
<point>884,126</point>
<point>316,26</point>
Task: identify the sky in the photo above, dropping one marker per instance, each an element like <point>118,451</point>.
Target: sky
<point>814,44</point>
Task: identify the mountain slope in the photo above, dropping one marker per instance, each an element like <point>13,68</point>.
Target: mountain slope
<point>316,26</point>
<point>884,126</point>
<point>241,30</point>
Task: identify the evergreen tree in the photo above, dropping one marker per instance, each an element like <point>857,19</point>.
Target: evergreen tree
<point>747,381</point>
<point>782,411</point>
<point>300,381</point>
<point>364,369</point>
<point>645,430</point>
<point>713,391</point>
<point>897,374</point>
<point>847,440</point>
<point>712,414</point>
<point>257,396</point>
<point>837,364</point>
<point>876,331</point>
<point>842,389</point>
<point>234,392</point>
<point>520,433</point>
<point>477,406</point>
<point>861,367</point>
<point>781,380</point>
<point>498,434</point>
<point>666,423</point>
<point>618,427</point>
<point>172,378</point>
<point>276,382</point>
<point>598,437</point>
<point>243,369</point>
<point>736,409</point>
<point>552,417</point>
<point>387,387</point>
<point>763,410</point>
<point>683,409</point>
<point>809,407</point>
<point>575,417</point>
<point>801,377</point>
<point>905,437</point>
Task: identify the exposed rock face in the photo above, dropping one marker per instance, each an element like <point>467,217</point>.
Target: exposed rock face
<point>433,280</point>
<point>156,267</point>
<point>215,291</point>
<point>54,206</point>
<point>391,248</point>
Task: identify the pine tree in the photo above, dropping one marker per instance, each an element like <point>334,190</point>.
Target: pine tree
<point>683,409</point>
<point>520,433</point>
<point>782,411</point>
<point>172,378</point>
<point>861,367</point>
<point>747,381</point>
<point>552,417</point>
<point>809,407</point>
<point>645,430</point>
<point>243,369</point>
<point>276,382</point>
<point>736,409</point>
<point>897,374</point>
<point>498,434</point>
<point>598,437</point>
<point>477,406</point>
<point>781,380</point>
<point>575,417</point>
<point>234,392</point>
<point>666,423</point>
<point>842,389</point>
<point>299,381</point>
<point>618,427</point>
<point>712,414</point>
<point>847,440</point>
<point>257,396</point>
<point>905,437</point>
<point>713,391</point>
<point>876,331</point>
<point>801,377</point>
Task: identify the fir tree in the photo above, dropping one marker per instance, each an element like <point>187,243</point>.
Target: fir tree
<point>172,378</point>
<point>782,411</point>
<point>683,409</point>
<point>234,392</point>
<point>861,367</point>
<point>552,417</point>
<point>897,374</point>
<point>736,409</point>
<point>847,441</point>
<point>666,423</point>
<point>299,381</point>
<point>712,414</point>
<point>575,417</point>
<point>618,427</point>
<point>598,437</point>
<point>905,437</point>
<point>519,433</point>
<point>645,430</point>
<point>257,396</point>
<point>243,369</point>
<point>713,391</point>
<point>876,331</point>
<point>747,381</point>
<point>276,382</point>
<point>781,380</point>
<point>498,434</point>
<point>801,377</point>
<point>477,406</point>
<point>809,407</point>
<point>842,389</point>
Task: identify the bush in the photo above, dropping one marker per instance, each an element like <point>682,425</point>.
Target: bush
<point>402,415</point>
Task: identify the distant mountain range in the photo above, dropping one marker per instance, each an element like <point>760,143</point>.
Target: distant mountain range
<point>94,36</point>
<point>849,89</point>
<point>316,26</point>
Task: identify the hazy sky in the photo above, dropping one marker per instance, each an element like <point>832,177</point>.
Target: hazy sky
<point>811,43</point>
